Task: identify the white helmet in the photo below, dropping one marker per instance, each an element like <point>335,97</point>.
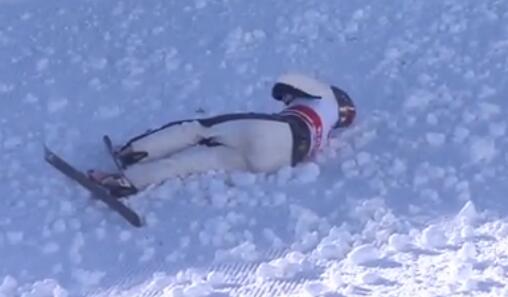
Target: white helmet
<point>291,86</point>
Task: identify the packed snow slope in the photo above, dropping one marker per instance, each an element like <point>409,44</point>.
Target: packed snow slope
<point>411,200</point>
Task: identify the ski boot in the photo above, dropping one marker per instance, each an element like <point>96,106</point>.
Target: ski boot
<point>123,156</point>
<point>127,157</point>
<point>117,184</point>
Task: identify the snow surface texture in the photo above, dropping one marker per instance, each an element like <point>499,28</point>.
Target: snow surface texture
<point>410,201</point>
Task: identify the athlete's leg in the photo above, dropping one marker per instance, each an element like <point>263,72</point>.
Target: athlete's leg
<point>162,142</point>
<point>265,144</point>
<point>191,160</point>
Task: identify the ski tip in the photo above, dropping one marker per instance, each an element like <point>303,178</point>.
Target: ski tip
<point>137,222</point>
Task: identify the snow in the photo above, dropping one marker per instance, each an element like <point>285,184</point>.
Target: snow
<point>436,139</point>
<point>8,286</point>
<point>14,237</point>
<point>399,242</point>
<point>410,200</point>
<point>307,173</point>
<point>433,237</point>
<point>468,214</point>
<point>467,252</point>
<point>483,149</point>
<point>288,267</point>
<point>363,254</point>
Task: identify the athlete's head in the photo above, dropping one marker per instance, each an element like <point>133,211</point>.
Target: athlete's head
<point>292,86</point>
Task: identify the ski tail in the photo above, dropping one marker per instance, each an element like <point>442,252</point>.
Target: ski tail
<point>95,189</point>
<point>108,143</point>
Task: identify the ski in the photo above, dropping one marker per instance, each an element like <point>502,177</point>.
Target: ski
<point>97,191</point>
<point>109,148</point>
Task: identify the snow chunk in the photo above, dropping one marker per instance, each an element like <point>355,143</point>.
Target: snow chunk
<point>8,286</point>
<point>171,60</point>
<point>468,214</point>
<point>75,249</point>
<point>216,279</point>
<point>486,91</point>
<point>42,64</point>
<point>219,199</point>
<point>174,292</point>
<point>503,292</point>
<point>331,251</point>
<point>284,175</point>
<point>26,16</point>
<point>467,232</point>
<point>315,288</point>
<point>198,290</point>
<point>125,235</point>
<point>433,237</point>
<point>12,142</point>
<point>97,63</point>
<point>363,254</point>
<point>349,168</point>
<point>267,271</point>
<point>306,241</point>
<point>216,186</point>
<point>470,285</point>
<point>334,245</point>
<point>488,110</point>
<point>371,278</point>
<point>460,272</point>
<point>436,139</point>
<point>31,98</point>
<point>50,248</point>
<point>460,134</point>
<point>100,233</point>
<point>399,242</point>
<point>159,281</point>
<point>57,104</point>
<point>6,88</point>
<point>148,254</point>
<point>243,179</point>
<point>273,238</point>
<point>88,278</point>
<point>398,167</point>
<point>432,119</point>
<point>419,100</point>
<point>502,231</point>
<point>307,173</point>
<point>67,208</point>
<point>497,129</point>
<point>48,287</point>
<point>482,150</point>
<point>467,252</point>
<point>306,224</point>
<point>59,226</point>
<point>245,251</point>
<point>15,237</point>
<point>238,40</point>
<point>363,159</point>
<point>287,267</point>
<point>279,199</point>
<point>109,112</point>
<point>200,4</point>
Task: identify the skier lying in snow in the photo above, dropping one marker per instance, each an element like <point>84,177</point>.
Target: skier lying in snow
<point>247,141</point>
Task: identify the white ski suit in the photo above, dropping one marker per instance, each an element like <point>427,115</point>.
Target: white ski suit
<point>241,142</point>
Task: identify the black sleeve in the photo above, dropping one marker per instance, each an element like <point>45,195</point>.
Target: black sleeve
<point>286,93</point>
